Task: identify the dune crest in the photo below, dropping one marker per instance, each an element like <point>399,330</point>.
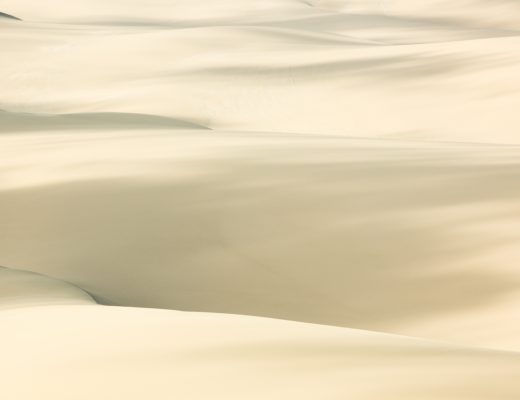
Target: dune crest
<point>348,167</point>
<point>4,15</point>
<point>111,352</point>
<point>27,289</point>
<point>27,122</point>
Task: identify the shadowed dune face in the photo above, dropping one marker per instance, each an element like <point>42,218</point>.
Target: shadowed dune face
<point>337,72</point>
<point>396,236</point>
<point>27,289</point>
<point>113,352</point>
<point>24,122</point>
<point>495,13</point>
<point>342,162</point>
<point>4,15</point>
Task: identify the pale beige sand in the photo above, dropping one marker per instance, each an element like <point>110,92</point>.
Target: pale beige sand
<point>86,351</point>
<point>410,237</point>
<point>349,163</point>
<point>262,65</point>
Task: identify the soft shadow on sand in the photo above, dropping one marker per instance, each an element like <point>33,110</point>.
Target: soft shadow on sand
<point>4,15</point>
<point>20,289</point>
<point>367,237</point>
<point>18,122</point>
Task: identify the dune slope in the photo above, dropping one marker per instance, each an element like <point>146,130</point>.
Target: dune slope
<point>86,351</point>
<point>4,15</point>
<point>416,238</point>
<point>266,66</point>
<point>27,289</point>
<point>201,165</point>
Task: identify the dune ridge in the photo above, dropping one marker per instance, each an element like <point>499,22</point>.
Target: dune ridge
<point>93,350</point>
<point>288,226</point>
<point>232,78</point>
<point>28,289</point>
<point>251,199</point>
<point>26,122</point>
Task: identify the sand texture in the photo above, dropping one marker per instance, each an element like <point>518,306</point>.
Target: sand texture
<point>260,199</point>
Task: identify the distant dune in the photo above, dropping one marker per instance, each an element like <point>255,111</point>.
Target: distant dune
<point>260,199</point>
<point>274,66</point>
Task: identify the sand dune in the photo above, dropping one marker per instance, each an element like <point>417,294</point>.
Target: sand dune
<point>86,351</point>
<point>305,69</point>
<point>25,122</point>
<point>135,353</point>
<point>4,15</point>
<point>416,238</point>
<point>347,163</point>
<point>27,289</point>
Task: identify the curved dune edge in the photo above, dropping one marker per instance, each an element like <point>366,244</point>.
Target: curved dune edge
<point>30,122</point>
<point>350,232</point>
<point>114,352</point>
<point>8,16</point>
<point>277,66</point>
<point>380,211</point>
<point>28,289</point>
<point>129,353</point>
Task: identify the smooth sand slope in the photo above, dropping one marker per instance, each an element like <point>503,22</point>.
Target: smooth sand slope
<point>407,237</point>
<point>260,65</point>
<point>27,289</point>
<point>347,163</point>
<point>4,15</point>
<point>27,122</point>
<point>88,351</point>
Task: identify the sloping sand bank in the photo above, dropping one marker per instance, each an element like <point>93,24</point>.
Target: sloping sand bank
<point>87,351</point>
<point>415,238</point>
<point>279,66</point>
<point>205,164</point>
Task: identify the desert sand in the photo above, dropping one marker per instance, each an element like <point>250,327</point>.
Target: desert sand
<point>260,199</point>
<point>86,351</point>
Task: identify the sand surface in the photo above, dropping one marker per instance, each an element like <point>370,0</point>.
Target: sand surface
<point>172,172</point>
<point>91,351</point>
